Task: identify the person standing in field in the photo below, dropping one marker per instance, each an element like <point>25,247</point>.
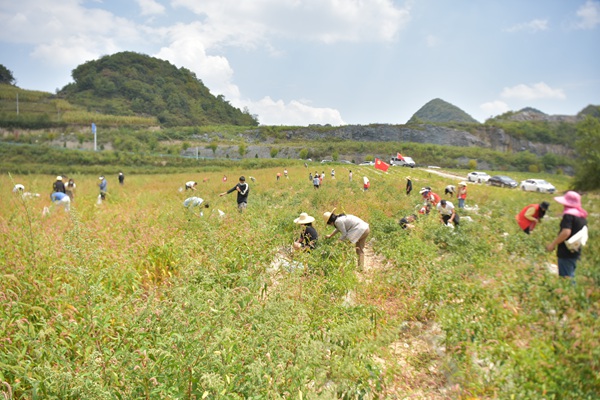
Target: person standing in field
<point>316,181</point>
<point>243,190</point>
<point>530,215</point>
<point>573,221</point>
<point>352,229</point>
<point>408,185</point>
<point>462,194</point>
<point>366,184</point>
<point>103,185</point>
<point>121,178</point>
<point>332,173</point>
<point>350,175</point>
<point>285,173</point>
<point>70,189</point>
<point>58,185</point>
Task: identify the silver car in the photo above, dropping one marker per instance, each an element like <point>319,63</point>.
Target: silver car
<point>479,177</point>
<point>537,185</point>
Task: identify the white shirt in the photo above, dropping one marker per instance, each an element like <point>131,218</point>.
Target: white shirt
<point>193,202</point>
<point>351,227</point>
<point>445,210</point>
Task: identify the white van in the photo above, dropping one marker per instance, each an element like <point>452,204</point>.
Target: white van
<point>403,162</point>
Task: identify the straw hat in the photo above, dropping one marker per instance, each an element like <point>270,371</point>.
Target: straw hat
<point>570,199</point>
<point>462,183</point>
<point>304,218</point>
<point>408,177</point>
<point>59,178</point>
<point>423,190</point>
<point>101,178</point>
<point>327,215</point>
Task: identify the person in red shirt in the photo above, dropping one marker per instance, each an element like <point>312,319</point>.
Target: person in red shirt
<point>530,215</point>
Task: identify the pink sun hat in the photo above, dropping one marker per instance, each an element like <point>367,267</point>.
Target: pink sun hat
<point>570,199</point>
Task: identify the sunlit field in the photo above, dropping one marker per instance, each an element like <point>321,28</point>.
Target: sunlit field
<point>139,298</point>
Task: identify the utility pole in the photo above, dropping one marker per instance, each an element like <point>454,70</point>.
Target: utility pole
<point>17,103</point>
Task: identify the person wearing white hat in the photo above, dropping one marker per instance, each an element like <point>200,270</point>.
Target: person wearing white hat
<point>59,186</point>
<point>308,238</point>
<point>573,221</point>
<point>462,194</point>
<point>103,187</point>
<point>352,228</point>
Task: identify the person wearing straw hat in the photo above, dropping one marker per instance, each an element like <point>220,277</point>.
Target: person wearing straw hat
<point>408,185</point>
<point>352,229</point>
<point>308,237</point>
<point>462,194</point>
<point>573,221</point>
<point>530,215</point>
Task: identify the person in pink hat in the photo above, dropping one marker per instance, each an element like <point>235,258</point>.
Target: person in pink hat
<point>573,220</point>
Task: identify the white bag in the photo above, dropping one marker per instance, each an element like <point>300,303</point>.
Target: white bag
<point>578,240</point>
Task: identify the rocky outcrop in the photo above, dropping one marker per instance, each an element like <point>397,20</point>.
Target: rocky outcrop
<point>486,137</point>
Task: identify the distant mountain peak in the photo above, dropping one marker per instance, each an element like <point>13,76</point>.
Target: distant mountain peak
<point>440,111</point>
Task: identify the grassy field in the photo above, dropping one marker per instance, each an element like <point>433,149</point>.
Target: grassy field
<point>136,298</point>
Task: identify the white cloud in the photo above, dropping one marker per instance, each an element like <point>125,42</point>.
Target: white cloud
<point>187,50</point>
<point>535,25</point>
<point>273,112</point>
<point>533,92</point>
<point>589,15</point>
<point>150,7</point>
<point>326,21</point>
<point>494,107</point>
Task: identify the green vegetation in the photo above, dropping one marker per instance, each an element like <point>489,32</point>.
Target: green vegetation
<point>537,131</point>
<point>135,298</point>
<point>439,111</point>
<point>587,176</point>
<point>6,76</point>
<point>132,84</point>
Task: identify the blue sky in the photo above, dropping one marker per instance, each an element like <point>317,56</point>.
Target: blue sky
<point>301,62</point>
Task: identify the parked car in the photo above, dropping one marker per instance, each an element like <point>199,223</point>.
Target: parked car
<point>370,163</point>
<point>537,185</point>
<point>326,161</point>
<point>346,162</point>
<point>502,181</point>
<point>404,161</point>
<point>476,176</point>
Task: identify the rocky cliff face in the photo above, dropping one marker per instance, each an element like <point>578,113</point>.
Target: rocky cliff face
<point>492,138</point>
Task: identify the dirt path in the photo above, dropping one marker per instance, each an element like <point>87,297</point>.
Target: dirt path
<point>416,356</point>
<point>446,175</point>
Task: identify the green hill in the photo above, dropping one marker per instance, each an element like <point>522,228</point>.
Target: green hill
<point>132,84</point>
<point>440,111</point>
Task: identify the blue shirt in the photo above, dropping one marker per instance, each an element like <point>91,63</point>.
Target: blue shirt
<point>57,196</point>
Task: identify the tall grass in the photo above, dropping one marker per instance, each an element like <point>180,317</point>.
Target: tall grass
<point>137,298</point>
